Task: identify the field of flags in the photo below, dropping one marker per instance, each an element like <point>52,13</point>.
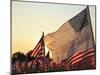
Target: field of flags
<point>72,48</point>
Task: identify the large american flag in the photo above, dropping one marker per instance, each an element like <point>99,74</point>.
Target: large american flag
<point>74,41</point>
<point>86,54</point>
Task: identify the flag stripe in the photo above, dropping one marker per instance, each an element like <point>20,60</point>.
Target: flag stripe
<point>84,61</point>
<point>76,55</point>
<point>81,55</point>
<point>37,50</point>
<point>82,58</point>
<point>90,61</point>
<point>34,51</point>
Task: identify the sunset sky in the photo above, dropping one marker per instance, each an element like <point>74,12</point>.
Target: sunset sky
<point>30,19</point>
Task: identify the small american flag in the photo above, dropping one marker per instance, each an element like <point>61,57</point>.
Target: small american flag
<point>39,50</point>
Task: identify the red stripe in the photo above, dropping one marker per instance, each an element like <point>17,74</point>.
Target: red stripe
<point>35,50</point>
<point>91,61</point>
<point>39,49</point>
<point>82,58</point>
<point>81,55</point>
<point>76,55</point>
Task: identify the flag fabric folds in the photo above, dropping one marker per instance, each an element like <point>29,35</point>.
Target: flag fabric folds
<point>39,50</point>
<point>73,40</point>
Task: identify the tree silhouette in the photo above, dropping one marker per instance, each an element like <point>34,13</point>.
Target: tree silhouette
<point>18,56</point>
<point>14,59</point>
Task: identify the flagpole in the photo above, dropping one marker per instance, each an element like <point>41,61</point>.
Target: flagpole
<point>89,20</point>
<point>44,48</point>
<point>43,42</point>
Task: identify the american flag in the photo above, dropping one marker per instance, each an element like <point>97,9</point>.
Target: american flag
<point>86,54</point>
<point>39,49</point>
<point>82,55</point>
<point>74,40</point>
